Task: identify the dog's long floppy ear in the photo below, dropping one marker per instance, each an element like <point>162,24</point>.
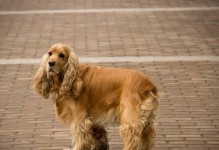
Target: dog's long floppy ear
<point>72,83</point>
<point>41,82</point>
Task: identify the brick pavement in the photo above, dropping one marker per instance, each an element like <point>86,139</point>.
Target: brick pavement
<point>188,114</point>
<point>155,33</point>
<point>77,4</point>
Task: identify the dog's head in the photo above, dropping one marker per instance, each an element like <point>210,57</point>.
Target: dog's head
<point>57,59</point>
<point>60,62</point>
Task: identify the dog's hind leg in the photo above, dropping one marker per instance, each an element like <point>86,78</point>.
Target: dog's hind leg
<point>131,135</point>
<point>100,135</point>
<point>130,123</point>
<point>137,121</point>
<point>148,116</point>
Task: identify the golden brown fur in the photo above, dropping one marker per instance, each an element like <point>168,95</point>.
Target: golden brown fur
<point>87,98</point>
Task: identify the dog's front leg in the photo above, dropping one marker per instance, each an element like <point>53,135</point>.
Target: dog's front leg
<point>83,135</point>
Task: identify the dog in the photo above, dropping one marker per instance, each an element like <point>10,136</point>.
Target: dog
<point>87,98</point>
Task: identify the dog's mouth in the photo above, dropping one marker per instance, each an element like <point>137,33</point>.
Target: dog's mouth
<point>52,71</point>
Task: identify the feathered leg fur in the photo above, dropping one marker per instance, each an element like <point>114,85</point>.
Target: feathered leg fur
<point>83,135</point>
<point>138,133</point>
<point>87,136</point>
<point>100,135</point>
<point>149,109</point>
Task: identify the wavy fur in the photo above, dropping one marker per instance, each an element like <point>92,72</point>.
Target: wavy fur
<point>71,83</point>
<point>42,82</point>
<point>87,98</point>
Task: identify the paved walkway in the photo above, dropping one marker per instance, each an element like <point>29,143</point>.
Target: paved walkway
<point>175,42</point>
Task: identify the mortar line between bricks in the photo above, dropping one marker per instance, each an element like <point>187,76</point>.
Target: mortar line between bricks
<point>107,10</point>
<point>118,59</point>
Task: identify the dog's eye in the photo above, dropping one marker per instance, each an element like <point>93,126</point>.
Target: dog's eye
<point>61,55</point>
<point>50,53</point>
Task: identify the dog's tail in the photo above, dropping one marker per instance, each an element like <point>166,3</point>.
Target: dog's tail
<point>148,88</point>
<point>149,96</point>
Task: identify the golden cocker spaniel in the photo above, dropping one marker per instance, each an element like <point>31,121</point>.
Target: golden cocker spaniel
<point>87,98</point>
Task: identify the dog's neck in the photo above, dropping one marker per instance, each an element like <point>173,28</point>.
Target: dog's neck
<point>55,82</point>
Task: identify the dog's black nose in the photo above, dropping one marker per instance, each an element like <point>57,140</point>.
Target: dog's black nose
<point>52,63</point>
